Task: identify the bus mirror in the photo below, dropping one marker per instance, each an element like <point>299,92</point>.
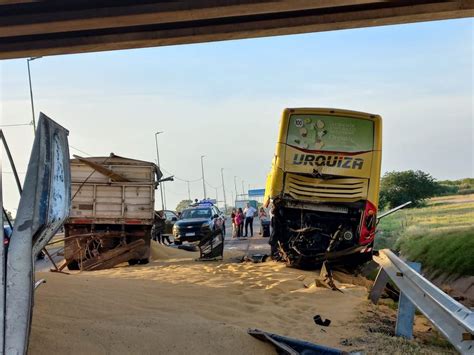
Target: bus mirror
<point>389,212</point>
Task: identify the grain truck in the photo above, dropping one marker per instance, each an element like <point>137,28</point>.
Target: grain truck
<point>112,212</point>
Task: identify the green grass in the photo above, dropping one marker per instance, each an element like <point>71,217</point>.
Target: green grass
<point>450,252</point>
<point>440,235</point>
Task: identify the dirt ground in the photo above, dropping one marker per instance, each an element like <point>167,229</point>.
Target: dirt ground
<point>175,305</point>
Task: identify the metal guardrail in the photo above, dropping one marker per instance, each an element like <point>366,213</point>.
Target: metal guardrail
<point>451,318</point>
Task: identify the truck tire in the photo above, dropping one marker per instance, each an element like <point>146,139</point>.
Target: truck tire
<point>144,261</point>
<point>73,265</point>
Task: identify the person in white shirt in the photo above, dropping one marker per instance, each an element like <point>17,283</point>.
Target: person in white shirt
<point>249,213</point>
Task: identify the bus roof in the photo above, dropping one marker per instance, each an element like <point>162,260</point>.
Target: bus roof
<point>331,111</point>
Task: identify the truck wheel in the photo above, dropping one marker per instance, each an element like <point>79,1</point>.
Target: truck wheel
<point>144,261</point>
<point>132,262</point>
<point>73,265</point>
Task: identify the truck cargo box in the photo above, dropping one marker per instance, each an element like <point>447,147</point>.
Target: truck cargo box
<point>112,208</point>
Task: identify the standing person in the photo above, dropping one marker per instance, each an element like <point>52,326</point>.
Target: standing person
<point>262,216</point>
<point>276,232</point>
<point>249,214</point>
<point>234,227</point>
<point>158,227</point>
<point>239,221</point>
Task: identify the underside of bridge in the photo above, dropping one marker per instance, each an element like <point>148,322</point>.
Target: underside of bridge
<point>39,28</point>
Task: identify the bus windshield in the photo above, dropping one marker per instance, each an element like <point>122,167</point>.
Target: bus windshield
<point>330,133</point>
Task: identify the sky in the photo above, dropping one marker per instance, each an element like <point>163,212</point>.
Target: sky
<point>224,100</point>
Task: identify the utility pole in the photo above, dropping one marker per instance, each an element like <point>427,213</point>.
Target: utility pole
<point>31,92</point>
<point>223,190</point>
<point>203,180</point>
<point>243,190</point>
<point>189,191</point>
<point>159,166</point>
<point>217,197</point>
<point>164,194</point>
<point>235,187</point>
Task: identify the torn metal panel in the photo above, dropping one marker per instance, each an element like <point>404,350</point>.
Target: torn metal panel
<point>43,208</point>
<point>291,346</point>
<point>3,260</point>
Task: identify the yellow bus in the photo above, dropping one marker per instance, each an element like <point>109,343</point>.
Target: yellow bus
<point>324,186</point>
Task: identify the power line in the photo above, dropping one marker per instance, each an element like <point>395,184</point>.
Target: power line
<point>214,187</point>
<point>15,125</point>
<point>177,178</point>
<point>11,172</point>
<point>83,152</point>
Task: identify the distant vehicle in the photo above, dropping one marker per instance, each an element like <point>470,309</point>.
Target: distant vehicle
<point>324,186</point>
<point>198,222</point>
<point>164,225</point>
<point>7,233</point>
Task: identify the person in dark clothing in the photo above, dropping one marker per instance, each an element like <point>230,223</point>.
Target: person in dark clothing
<point>165,237</point>
<point>275,235</point>
<point>159,228</point>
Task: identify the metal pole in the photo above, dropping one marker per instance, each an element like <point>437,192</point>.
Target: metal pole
<point>217,197</point>
<point>235,187</point>
<point>12,163</point>
<point>243,190</point>
<point>158,162</point>
<point>31,92</point>
<point>223,190</point>
<point>189,191</point>
<point>203,180</point>
<point>164,194</point>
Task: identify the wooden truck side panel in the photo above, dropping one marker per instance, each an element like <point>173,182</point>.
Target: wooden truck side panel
<point>115,203</point>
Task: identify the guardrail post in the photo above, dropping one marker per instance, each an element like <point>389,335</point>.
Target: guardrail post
<point>406,310</point>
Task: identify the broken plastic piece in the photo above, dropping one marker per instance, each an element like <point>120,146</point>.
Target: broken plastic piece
<point>319,321</point>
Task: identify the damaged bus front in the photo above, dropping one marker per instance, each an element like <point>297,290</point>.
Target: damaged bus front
<point>324,186</point>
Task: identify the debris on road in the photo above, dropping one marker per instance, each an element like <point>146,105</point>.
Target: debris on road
<point>291,346</point>
<point>319,321</point>
<point>255,258</point>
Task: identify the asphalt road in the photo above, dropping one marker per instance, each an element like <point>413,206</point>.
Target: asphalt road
<point>255,244</point>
